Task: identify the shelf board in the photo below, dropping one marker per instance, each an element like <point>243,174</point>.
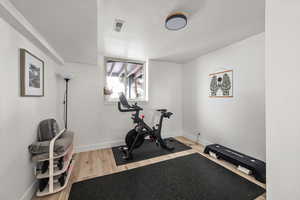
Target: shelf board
<point>60,155</point>
<point>56,170</point>
<point>56,186</point>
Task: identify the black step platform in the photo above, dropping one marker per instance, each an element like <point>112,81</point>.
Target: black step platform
<point>257,167</point>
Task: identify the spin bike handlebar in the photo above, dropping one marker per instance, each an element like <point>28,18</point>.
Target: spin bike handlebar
<point>134,108</point>
<point>168,114</point>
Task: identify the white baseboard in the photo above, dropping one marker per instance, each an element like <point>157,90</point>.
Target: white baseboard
<point>192,137</point>
<point>173,134</point>
<point>103,145</point>
<point>200,140</point>
<point>29,193</point>
<point>113,143</point>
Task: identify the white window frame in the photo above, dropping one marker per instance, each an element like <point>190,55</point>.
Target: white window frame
<point>145,72</point>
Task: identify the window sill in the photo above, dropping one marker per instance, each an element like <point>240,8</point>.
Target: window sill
<point>115,101</point>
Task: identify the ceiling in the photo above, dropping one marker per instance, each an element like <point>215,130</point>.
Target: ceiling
<point>212,24</point>
<point>80,29</point>
<point>70,26</point>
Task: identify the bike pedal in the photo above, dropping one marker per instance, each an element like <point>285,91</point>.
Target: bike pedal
<point>170,140</point>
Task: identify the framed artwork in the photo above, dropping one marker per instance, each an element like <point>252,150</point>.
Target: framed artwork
<point>221,84</point>
<point>32,75</point>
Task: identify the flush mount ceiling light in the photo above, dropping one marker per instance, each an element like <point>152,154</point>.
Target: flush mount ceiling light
<point>176,21</point>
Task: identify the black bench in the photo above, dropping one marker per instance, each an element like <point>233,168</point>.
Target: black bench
<point>257,167</point>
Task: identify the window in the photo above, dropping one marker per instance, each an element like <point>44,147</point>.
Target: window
<point>127,76</point>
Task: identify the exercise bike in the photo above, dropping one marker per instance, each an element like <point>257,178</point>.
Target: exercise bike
<point>136,137</point>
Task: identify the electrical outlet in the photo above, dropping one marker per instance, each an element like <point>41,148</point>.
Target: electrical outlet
<point>198,136</point>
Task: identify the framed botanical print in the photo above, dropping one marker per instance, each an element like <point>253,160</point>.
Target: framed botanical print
<point>32,74</point>
<point>221,84</point>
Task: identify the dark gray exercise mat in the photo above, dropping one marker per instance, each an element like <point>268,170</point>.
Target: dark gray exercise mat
<point>191,177</point>
<point>149,150</point>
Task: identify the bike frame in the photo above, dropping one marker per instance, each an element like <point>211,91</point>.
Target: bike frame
<point>143,128</point>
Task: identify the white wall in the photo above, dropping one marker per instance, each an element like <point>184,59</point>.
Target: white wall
<point>283,99</point>
<point>19,116</point>
<point>99,125</point>
<point>237,122</point>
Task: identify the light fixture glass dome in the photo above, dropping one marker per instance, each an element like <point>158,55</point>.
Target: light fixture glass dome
<point>176,21</point>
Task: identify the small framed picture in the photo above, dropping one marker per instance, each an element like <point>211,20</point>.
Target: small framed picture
<point>32,75</point>
<point>221,84</point>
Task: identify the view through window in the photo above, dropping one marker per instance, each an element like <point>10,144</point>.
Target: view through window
<point>125,76</point>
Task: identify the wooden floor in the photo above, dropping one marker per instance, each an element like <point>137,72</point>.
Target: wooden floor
<point>101,162</point>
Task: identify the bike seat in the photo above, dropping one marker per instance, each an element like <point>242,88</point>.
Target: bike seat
<point>161,110</point>
<point>167,114</point>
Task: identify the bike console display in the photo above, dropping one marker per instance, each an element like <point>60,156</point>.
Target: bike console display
<point>129,108</point>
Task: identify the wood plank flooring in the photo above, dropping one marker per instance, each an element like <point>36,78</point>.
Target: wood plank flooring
<point>101,162</point>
